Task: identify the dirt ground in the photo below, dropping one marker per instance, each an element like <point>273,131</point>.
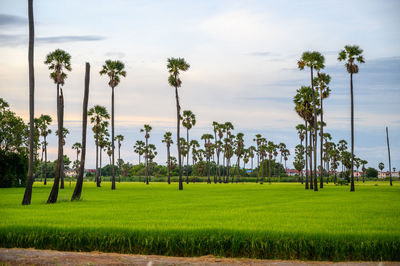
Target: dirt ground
<point>18,256</point>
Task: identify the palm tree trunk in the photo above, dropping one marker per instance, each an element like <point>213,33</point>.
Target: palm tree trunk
<point>54,191</point>
<point>208,169</point>
<point>119,162</point>
<point>45,161</point>
<point>79,180</point>
<point>315,132</point>
<point>112,140</point>
<point>321,181</point>
<point>306,155</point>
<point>311,168</point>
<point>238,163</point>
<point>146,157</point>
<point>169,164</point>
<point>63,140</point>
<point>178,125</point>
<point>219,169</point>
<point>187,159</point>
<point>352,188</point>
<point>259,167</point>
<point>29,180</point>
<point>390,165</point>
<point>269,170</point>
<point>100,176</point>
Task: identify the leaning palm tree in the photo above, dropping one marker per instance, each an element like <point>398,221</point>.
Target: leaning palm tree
<point>146,129</point>
<point>313,60</point>
<point>98,117</point>
<point>29,180</point>
<point>351,54</point>
<point>321,82</point>
<point>188,121</point>
<point>175,65</point>
<point>58,62</point>
<point>79,180</point>
<point>119,138</point>
<point>114,70</point>
<point>168,141</point>
<point>44,132</point>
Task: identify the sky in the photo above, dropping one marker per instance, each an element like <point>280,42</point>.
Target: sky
<point>243,57</point>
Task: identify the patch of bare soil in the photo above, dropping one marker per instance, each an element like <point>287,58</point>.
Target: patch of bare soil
<point>18,256</point>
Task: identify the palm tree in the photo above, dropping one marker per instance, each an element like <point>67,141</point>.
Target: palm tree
<point>263,154</point>
<point>251,151</point>
<point>168,141</point>
<point>299,160</point>
<point>282,148</point>
<point>194,144</point>
<point>388,149</point>
<point>29,180</point>
<point>175,65</point>
<point>65,132</point>
<point>313,60</point>
<point>351,54</point>
<point>44,132</point>
<point>146,129</point>
<point>151,154</point>
<point>77,146</point>
<point>270,150</point>
<point>188,121</point>
<point>58,61</point>
<point>342,147</point>
<point>79,181</point>
<point>363,163</point>
<point>239,145</point>
<point>321,82</point>
<point>381,166</point>
<point>103,141</point>
<point>208,149</point>
<point>184,150</point>
<point>139,148</point>
<point>98,117</point>
<point>220,128</point>
<point>119,138</point>
<point>257,139</point>
<point>114,70</point>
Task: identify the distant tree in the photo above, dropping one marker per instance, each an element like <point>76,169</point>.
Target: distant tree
<point>381,166</point>
<point>188,121</point>
<point>44,132</point>
<point>208,147</point>
<point>371,172</point>
<point>363,163</point>
<point>239,151</point>
<point>119,138</point>
<point>146,129</point>
<point>168,141</point>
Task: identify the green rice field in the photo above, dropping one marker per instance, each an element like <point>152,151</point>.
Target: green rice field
<point>269,221</point>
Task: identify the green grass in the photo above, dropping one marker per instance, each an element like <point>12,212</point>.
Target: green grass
<point>233,220</point>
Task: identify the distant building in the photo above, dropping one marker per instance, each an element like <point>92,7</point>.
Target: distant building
<point>387,174</point>
<point>292,172</point>
<point>381,174</point>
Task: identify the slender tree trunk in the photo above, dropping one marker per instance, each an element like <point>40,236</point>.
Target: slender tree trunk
<point>45,161</point>
<point>54,191</point>
<point>262,170</point>
<point>269,171</point>
<point>311,168</point>
<point>62,174</point>
<point>100,175</point>
<point>187,159</point>
<point>321,178</point>
<point>208,169</point>
<point>306,153</point>
<point>219,169</point>
<point>119,162</point>
<point>390,164</point>
<point>112,140</point>
<point>29,180</point>
<point>79,180</point>
<point>146,157</point>
<point>352,188</point>
<point>315,133</point>
<point>41,165</point>
<point>169,164</point>
<point>178,125</point>
<point>259,166</point>
<point>97,159</point>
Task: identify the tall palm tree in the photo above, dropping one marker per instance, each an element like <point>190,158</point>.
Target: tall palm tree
<point>282,148</point>
<point>239,151</point>
<point>114,70</point>
<point>257,139</point>
<point>188,121</point>
<point>390,163</point>
<point>270,150</point>
<point>215,125</point>
<point>65,132</point>
<point>351,54</point>
<point>220,128</point>
<point>119,138</point>
<point>77,146</point>
<point>194,144</point>
<point>299,160</point>
<point>79,180</point>
<point>168,141</point>
<point>59,61</point>
<point>313,60</point>
<point>44,132</point>
<point>342,147</point>
<point>251,151</point>
<point>174,66</point>
<point>139,148</point>
<point>103,141</point>
<point>357,164</point>
<point>146,129</point>
<point>29,180</point>
<point>321,82</point>
<point>98,117</point>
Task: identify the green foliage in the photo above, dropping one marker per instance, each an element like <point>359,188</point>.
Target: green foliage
<point>371,172</point>
<point>277,221</point>
<point>13,169</point>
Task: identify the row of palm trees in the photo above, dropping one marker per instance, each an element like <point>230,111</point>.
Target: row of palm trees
<point>309,105</point>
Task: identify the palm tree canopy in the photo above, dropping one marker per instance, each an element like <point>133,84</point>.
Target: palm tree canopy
<point>77,146</point>
<point>58,60</point>
<point>175,65</point>
<point>119,138</point>
<point>381,166</point>
<point>350,54</point>
<point>321,82</point>
<point>98,113</point>
<point>114,70</point>
<point>311,59</point>
<point>168,138</point>
<point>189,119</point>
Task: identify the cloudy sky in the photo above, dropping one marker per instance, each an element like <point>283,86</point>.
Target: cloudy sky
<point>243,57</point>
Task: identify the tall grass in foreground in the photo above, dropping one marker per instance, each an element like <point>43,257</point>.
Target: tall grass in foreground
<point>278,221</point>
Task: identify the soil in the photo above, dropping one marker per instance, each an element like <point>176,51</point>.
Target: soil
<point>19,256</point>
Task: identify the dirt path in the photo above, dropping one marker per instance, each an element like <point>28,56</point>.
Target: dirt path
<point>17,256</point>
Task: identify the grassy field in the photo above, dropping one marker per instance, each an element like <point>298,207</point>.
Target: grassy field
<point>233,220</point>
